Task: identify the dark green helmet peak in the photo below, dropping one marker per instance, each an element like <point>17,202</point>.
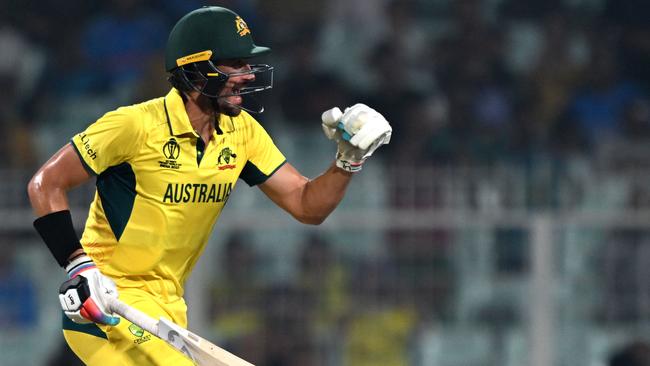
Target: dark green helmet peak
<point>210,33</point>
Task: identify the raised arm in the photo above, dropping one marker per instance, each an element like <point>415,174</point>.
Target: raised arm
<point>309,201</point>
<point>358,132</point>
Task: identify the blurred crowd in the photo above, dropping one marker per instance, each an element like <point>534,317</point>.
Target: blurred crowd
<point>336,311</point>
<point>462,81</point>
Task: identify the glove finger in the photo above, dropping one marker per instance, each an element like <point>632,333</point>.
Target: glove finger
<point>362,134</point>
<point>329,131</point>
<point>345,118</point>
<point>353,113</point>
<point>93,312</point>
<point>382,140</point>
<point>355,123</point>
<point>370,132</point>
<point>358,106</point>
<point>76,317</point>
<point>376,127</point>
<point>371,137</point>
<point>354,141</point>
<point>368,139</point>
<point>331,117</point>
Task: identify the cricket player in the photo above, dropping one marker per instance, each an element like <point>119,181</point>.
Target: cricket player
<point>164,170</point>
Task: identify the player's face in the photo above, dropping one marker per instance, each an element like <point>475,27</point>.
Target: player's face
<point>230,100</point>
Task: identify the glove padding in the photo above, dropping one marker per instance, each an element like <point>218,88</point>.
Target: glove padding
<point>358,131</point>
<point>83,296</point>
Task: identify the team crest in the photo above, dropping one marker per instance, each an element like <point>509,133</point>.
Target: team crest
<point>172,150</point>
<point>225,157</point>
<point>242,27</point>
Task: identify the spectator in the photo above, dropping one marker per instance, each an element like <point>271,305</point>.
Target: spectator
<point>21,64</point>
<point>548,88</point>
<point>380,327</point>
<point>324,280</point>
<point>598,108</point>
<point>288,312</point>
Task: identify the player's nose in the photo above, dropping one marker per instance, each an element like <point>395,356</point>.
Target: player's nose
<point>248,76</point>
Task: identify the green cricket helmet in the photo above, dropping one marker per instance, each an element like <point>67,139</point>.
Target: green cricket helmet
<point>202,38</point>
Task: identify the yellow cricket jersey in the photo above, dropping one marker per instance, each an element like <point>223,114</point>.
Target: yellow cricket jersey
<point>160,189</point>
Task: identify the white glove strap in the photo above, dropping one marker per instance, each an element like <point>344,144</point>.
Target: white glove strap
<point>78,265</point>
<point>349,165</point>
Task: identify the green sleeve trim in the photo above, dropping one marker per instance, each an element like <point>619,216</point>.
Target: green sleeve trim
<point>253,176</point>
<point>83,162</point>
<point>90,328</point>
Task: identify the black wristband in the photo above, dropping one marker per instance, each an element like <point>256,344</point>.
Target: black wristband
<point>58,233</point>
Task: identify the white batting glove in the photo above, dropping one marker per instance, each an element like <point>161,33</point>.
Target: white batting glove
<point>358,132</point>
<point>83,296</point>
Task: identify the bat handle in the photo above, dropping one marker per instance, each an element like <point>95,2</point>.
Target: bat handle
<point>133,315</point>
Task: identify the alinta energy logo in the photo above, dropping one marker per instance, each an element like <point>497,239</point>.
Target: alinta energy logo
<point>225,156</point>
<point>171,150</point>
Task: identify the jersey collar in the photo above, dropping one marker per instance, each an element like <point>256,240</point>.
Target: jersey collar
<point>179,123</point>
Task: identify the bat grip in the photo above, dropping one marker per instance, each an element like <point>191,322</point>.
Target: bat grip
<point>133,315</point>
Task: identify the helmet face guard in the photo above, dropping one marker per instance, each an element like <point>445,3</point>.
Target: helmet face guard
<point>217,31</point>
<point>207,79</point>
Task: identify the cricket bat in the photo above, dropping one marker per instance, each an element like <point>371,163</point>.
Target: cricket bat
<point>197,349</point>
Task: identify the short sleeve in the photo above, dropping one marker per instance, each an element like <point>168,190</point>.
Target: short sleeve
<point>264,158</point>
<point>111,140</point>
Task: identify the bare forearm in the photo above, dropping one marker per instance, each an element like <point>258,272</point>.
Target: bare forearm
<point>309,201</point>
<point>322,194</point>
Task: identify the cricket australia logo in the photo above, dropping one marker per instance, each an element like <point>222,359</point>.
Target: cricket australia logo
<point>171,150</point>
<point>136,331</point>
<point>242,27</point>
<point>139,333</point>
<point>225,156</point>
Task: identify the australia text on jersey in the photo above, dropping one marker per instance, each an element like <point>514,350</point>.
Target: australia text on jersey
<point>197,192</point>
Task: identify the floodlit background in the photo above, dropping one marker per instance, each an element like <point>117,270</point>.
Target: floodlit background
<point>507,223</point>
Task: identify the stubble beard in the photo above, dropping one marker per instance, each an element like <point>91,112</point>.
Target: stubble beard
<point>220,105</point>
<point>228,109</point>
